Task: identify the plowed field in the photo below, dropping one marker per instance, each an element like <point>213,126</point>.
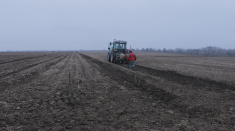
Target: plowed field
<point>82,91</point>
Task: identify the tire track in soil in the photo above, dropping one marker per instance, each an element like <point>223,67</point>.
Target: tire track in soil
<point>98,92</point>
<point>131,81</point>
<point>62,96</point>
<point>80,104</point>
<point>148,91</point>
<point>46,68</point>
<point>32,75</point>
<point>53,80</point>
<point>24,59</point>
<point>67,93</point>
<point>71,104</point>
<point>27,67</point>
<point>224,91</point>
<point>121,75</point>
<point>54,101</point>
<point>201,83</point>
<point>33,99</point>
<point>173,76</point>
<point>173,101</point>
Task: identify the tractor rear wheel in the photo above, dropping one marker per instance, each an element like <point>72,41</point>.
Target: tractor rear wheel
<point>108,59</point>
<point>111,59</point>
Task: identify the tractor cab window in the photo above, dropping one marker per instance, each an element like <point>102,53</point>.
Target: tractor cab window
<point>120,46</point>
<point>110,46</point>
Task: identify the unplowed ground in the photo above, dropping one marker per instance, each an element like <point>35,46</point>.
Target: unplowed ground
<point>71,90</point>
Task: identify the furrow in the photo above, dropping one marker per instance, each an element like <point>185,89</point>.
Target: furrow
<point>26,58</point>
<point>27,67</point>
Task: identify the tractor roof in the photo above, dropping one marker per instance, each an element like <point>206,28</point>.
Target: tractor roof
<point>120,41</point>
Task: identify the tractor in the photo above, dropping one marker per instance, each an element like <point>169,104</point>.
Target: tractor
<point>117,52</point>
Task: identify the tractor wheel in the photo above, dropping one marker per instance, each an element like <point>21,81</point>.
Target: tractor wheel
<point>111,59</point>
<point>108,59</point>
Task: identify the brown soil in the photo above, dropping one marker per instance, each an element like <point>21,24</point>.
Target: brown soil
<point>70,90</point>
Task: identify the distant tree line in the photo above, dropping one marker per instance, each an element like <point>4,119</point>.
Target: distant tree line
<point>207,51</point>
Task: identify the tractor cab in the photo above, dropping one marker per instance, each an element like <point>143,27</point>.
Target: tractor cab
<point>119,46</point>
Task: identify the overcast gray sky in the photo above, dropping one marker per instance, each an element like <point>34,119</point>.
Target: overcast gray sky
<point>92,24</point>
